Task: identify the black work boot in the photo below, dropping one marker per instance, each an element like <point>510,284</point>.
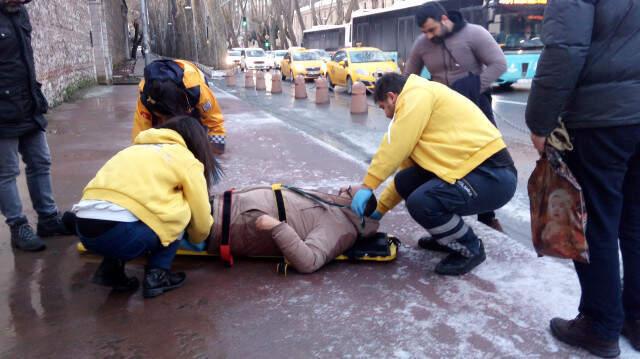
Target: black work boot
<point>430,244</point>
<point>631,330</point>
<point>52,226</point>
<point>457,264</point>
<point>494,224</point>
<point>69,220</point>
<point>579,333</point>
<point>158,281</point>
<point>111,273</point>
<point>23,238</point>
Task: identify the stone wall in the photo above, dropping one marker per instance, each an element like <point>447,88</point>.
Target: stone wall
<point>65,36</point>
<point>172,28</point>
<point>61,42</point>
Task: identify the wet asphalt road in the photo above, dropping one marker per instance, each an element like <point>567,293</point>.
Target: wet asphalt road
<point>359,135</point>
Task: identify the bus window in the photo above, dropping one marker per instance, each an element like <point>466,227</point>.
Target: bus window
<point>517,32</point>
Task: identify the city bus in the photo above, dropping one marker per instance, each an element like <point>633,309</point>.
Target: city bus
<point>515,24</point>
<point>327,37</point>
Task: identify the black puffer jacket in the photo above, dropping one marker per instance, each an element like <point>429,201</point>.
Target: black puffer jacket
<point>21,100</point>
<point>589,70</point>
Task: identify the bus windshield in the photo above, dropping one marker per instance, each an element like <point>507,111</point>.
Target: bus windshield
<point>515,31</point>
<point>368,56</point>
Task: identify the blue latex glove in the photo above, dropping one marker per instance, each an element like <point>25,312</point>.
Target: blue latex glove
<point>359,201</point>
<point>376,215</point>
<point>186,245</point>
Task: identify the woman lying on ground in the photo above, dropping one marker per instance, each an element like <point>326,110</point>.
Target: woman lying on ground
<point>308,228</point>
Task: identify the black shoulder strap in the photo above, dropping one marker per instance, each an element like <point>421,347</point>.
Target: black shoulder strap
<point>277,191</point>
<point>225,249</point>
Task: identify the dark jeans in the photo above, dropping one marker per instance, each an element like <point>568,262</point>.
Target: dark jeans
<point>129,240</point>
<point>469,87</point>
<point>34,150</point>
<point>606,163</point>
<point>438,206</point>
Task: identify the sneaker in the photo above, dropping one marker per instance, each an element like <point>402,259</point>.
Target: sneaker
<point>52,226</point>
<point>111,273</point>
<point>579,333</point>
<point>23,238</point>
<point>432,245</point>
<point>457,264</point>
<point>631,330</point>
<point>158,281</point>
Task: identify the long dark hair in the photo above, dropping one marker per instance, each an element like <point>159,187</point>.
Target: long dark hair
<point>195,137</point>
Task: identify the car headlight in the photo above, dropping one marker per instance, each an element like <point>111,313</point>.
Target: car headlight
<point>299,67</point>
<point>362,72</point>
<point>229,60</point>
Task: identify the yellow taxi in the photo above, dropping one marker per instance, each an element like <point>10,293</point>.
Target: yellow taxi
<point>364,64</point>
<point>301,62</point>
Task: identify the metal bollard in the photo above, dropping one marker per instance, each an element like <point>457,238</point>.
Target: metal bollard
<point>248,79</point>
<point>322,91</point>
<point>359,98</point>
<point>260,84</point>
<point>276,82</point>
<point>300,89</point>
<point>230,78</point>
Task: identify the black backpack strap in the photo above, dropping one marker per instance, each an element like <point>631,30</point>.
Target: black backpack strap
<point>277,192</point>
<point>225,248</point>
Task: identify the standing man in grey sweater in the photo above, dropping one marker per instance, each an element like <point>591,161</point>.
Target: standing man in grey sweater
<point>464,57</point>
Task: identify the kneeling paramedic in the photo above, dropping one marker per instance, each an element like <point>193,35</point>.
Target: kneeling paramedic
<point>178,88</point>
<point>143,200</point>
<point>452,161</point>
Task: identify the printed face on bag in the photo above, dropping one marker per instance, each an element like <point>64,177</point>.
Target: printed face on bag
<point>559,207</point>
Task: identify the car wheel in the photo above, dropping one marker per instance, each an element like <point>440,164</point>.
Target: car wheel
<point>283,76</point>
<point>330,83</point>
<point>349,85</point>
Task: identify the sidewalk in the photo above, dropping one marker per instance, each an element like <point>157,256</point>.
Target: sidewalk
<point>399,309</point>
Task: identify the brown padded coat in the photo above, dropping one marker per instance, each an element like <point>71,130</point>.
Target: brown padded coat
<point>313,235</point>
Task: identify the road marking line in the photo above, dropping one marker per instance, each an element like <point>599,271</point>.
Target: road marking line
<point>512,102</point>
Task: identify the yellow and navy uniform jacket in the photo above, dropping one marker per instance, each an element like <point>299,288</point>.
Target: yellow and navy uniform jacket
<point>437,129</point>
<point>210,113</point>
<point>161,182</point>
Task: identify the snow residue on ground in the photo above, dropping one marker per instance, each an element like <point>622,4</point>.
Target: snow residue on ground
<point>500,310</point>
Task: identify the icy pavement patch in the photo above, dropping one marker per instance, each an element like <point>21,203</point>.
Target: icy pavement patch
<point>401,309</point>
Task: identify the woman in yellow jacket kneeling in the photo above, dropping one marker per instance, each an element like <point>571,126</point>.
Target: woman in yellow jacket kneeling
<point>143,200</point>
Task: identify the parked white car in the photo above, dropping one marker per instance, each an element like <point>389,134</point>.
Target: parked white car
<point>234,57</point>
<point>278,55</point>
<point>255,59</point>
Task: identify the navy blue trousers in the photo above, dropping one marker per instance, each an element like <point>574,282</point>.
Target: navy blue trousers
<point>606,163</point>
<point>439,206</point>
<point>129,240</point>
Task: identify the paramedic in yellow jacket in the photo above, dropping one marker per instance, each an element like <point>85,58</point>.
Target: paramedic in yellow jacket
<point>143,199</point>
<point>452,162</point>
<point>176,88</point>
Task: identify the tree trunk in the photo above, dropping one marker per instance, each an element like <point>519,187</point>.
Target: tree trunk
<point>296,4</point>
<point>314,16</point>
<point>339,12</point>
<point>353,5</point>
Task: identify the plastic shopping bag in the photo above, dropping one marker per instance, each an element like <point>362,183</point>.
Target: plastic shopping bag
<point>558,214</point>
